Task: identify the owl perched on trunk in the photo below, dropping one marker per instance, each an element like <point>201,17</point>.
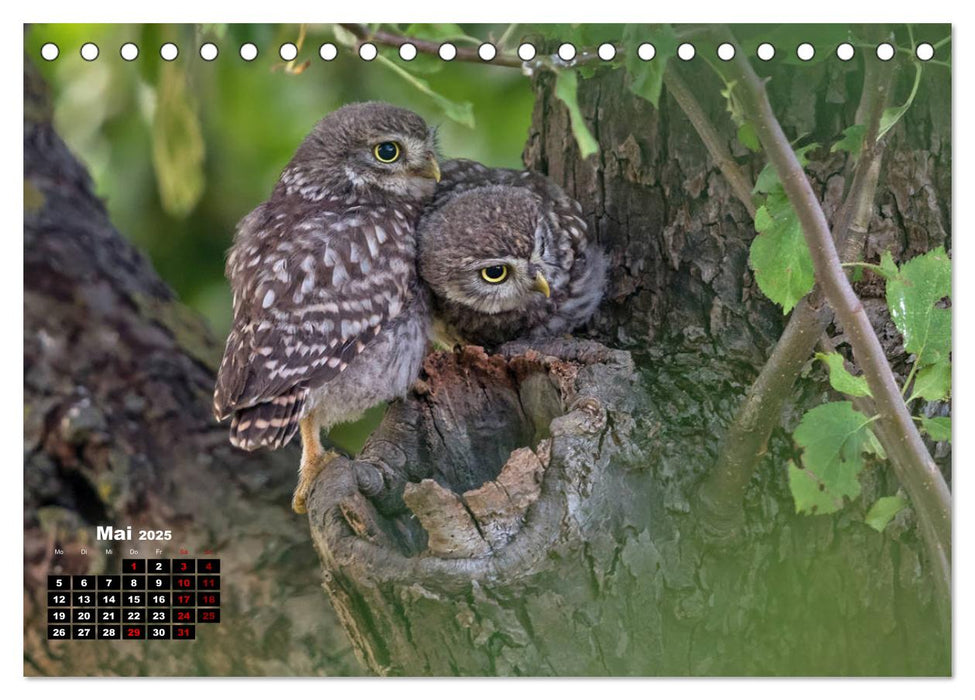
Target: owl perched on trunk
<point>329,315</point>
<point>506,255</point>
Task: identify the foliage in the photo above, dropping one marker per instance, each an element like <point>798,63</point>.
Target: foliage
<point>840,377</point>
<point>779,255</point>
<point>834,437</point>
<point>566,89</point>
<point>646,78</point>
<point>883,511</point>
<point>915,294</point>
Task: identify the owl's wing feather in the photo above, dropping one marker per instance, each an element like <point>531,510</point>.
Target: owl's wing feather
<point>311,289</point>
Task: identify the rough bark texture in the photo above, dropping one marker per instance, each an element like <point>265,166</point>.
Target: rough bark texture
<point>118,380</point>
<point>610,573</point>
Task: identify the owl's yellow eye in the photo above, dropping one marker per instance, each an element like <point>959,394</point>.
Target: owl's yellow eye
<point>495,274</point>
<point>387,152</point>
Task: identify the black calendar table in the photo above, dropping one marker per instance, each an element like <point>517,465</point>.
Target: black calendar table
<point>147,599</point>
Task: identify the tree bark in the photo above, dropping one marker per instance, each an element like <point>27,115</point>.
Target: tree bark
<point>118,383</point>
<point>608,572</point>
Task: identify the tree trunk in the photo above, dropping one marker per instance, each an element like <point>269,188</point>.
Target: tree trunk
<point>440,556</point>
<point>118,383</point>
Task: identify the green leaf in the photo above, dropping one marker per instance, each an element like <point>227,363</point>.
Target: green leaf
<point>177,144</point>
<point>809,492</point>
<point>911,297</point>
<point>779,254</point>
<point>852,140</point>
<point>938,428</point>
<point>567,90</point>
<point>883,511</point>
<point>439,32</point>
<point>646,78</point>
<point>892,115</point>
<point>343,35</point>
<point>834,437</point>
<point>888,268</point>
<point>460,112</point>
<point>748,137</point>
<point>840,378</point>
<point>933,383</point>
<point>768,179</point>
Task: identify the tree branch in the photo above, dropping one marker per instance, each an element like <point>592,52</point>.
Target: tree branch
<point>915,468</point>
<point>739,182</point>
<point>722,493</point>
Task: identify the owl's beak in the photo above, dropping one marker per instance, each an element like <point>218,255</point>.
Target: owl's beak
<point>430,169</point>
<point>541,285</point>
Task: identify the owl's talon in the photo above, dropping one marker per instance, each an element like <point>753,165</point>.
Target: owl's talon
<point>307,474</point>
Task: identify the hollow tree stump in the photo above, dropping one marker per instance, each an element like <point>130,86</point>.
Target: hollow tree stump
<point>485,492</point>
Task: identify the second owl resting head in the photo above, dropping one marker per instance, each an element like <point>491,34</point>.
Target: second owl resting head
<point>506,256</point>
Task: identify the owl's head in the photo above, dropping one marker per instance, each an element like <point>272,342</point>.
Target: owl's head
<point>490,249</point>
<point>370,147</point>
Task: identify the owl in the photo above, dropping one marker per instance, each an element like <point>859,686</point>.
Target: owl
<point>330,317</point>
<point>506,255</point>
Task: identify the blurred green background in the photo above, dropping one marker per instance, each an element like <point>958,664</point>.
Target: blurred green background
<point>180,151</point>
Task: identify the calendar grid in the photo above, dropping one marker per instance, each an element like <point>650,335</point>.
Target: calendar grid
<point>149,599</point>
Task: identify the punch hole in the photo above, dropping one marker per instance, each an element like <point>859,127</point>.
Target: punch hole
<point>447,52</point>
<point>924,51</point>
<point>89,51</point>
<point>805,52</point>
<point>209,51</point>
<point>845,51</point>
<point>765,52</point>
<point>487,52</point>
<point>248,52</point>
<point>726,51</point>
<point>646,51</point>
<point>606,51</point>
<point>567,52</point>
<point>328,52</point>
<point>885,51</point>
<point>50,51</point>
<point>407,52</point>
<point>526,52</point>
<point>686,51</point>
<point>168,51</point>
<point>128,51</point>
<point>368,52</point>
<point>288,51</point>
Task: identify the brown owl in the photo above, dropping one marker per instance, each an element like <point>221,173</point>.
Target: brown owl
<point>329,315</point>
<point>507,255</point>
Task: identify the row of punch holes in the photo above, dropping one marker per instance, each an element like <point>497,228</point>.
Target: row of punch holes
<point>486,52</point>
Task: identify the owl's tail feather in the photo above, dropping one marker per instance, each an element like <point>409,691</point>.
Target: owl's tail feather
<point>271,424</point>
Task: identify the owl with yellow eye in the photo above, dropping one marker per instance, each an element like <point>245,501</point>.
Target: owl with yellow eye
<point>507,256</point>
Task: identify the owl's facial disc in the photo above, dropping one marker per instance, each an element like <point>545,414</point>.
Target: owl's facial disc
<point>496,285</point>
<point>398,163</point>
